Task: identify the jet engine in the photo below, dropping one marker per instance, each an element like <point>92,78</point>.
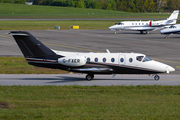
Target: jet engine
<point>73,61</point>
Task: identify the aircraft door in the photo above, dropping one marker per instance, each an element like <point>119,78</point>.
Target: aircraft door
<point>122,60</point>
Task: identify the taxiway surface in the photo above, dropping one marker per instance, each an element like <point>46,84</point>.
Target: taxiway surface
<point>76,79</point>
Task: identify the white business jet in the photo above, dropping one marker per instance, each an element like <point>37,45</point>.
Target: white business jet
<point>173,29</point>
<point>146,25</point>
<point>38,54</point>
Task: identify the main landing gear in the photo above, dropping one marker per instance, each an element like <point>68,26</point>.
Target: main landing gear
<point>147,32</point>
<point>156,77</point>
<point>89,77</point>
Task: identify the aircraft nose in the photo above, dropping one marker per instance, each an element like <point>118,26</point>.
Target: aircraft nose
<point>111,27</point>
<point>162,32</point>
<point>169,69</point>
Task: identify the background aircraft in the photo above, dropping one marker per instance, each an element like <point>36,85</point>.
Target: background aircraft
<point>173,29</point>
<point>146,25</point>
<point>38,54</point>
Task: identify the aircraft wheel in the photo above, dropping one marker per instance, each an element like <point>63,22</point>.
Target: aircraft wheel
<point>156,77</point>
<point>89,77</point>
<point>147,32</point>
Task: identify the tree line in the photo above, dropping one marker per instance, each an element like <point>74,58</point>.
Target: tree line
<point>117,5</point>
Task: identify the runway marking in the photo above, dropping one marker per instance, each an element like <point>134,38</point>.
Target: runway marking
<point>72,47</point>
<point>6,36</point>
<point>178,66</point>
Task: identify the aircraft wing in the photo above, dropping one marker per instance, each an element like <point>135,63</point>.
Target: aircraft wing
<point>141,28</point>
<point>94,69</point>
<point>159,28</point>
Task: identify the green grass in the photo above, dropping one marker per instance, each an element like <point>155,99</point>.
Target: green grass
<point>45,25</point>
<point>49,25</point>
<point>18,65</point>
<point>36,11</point>
<point>93,102</point>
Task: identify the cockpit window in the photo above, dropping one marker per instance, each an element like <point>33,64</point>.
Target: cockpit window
<point>139,58</point>
<point>146,59</point>
<point>120,23</point>
<point>172,26</point>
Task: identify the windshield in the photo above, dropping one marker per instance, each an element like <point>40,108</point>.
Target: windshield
<point>146,59</point>
<point>172,26</point>
<point>120,23</point>
<point>139,58</point>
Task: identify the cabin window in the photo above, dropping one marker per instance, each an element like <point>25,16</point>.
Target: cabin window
<point>139,58</point>
<point>142,23</point>
<point>146,23</point>
<point>96,59</point>
<point>112,59</point>
<point>136,23</point>
<point>146,59</point>
<point>104,59</point>
<point>139,23</point>
<point>130,60</point>
<point>122,60</point>
<point>88,59</point>
<point>132,23</point>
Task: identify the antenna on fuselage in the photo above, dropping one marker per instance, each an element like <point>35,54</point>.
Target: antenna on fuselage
<point>107,51</point>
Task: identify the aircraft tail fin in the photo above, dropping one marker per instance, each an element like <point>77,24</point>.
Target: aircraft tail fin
<point>30,46</point>
<point>174,15</point>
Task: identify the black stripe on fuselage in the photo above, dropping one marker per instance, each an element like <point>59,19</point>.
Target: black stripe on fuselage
<point>123,69</point>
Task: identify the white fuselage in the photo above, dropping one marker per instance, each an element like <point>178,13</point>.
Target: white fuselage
<point>129,60</point>
<point>141,25</point>
<point>171,30</point>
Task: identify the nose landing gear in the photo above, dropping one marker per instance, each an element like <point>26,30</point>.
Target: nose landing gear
<point>167,36</point>
<point>115,32</point>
